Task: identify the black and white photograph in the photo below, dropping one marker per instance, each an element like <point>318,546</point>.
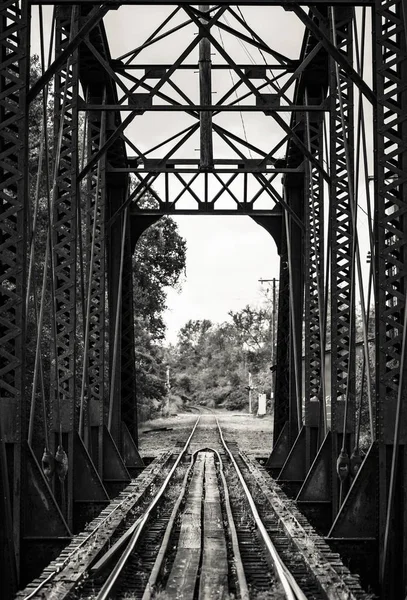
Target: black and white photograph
<point>203,300</point>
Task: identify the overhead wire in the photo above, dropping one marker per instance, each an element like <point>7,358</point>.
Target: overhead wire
<point>361,148</point>
<point>274,83</point>
<point>233,84</point>
<point>51,227</point>
<point>270,84</point>
<point>355,262</point>
<point>117,320</point>
<point>343,459</point>
<point>43,155</point>
<point>259,49</point>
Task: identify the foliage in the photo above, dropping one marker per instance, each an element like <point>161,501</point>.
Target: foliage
<point>158,263</point>
<point>210,363</point>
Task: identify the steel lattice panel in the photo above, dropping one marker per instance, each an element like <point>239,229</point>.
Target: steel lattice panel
<point>65,222</point>
<point>342,186</point>
<point>96,280</point>
<point>128,364</point>
<point>281,391</point>
<point>314,264</point>
<point>13,184</point>
<point>391,208</point>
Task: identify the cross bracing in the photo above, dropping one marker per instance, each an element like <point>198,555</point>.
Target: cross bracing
<point>310,143</point>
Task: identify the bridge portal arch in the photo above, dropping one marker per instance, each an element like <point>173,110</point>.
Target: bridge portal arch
<point>339,113</point>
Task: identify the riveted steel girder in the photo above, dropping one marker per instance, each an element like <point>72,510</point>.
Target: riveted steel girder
<point>65,225</point>
<point>281,391</point>
<point>65,247</point>
<point>391,210</point>
<point>95,251</point>
<point>341,194</point>
<point>128,365</point>
<point>313,275</point>
<point>391,282</point>
<point>94,371</point>
<point>14,69</point>
<point>287,3</point>
<point>14,73</point>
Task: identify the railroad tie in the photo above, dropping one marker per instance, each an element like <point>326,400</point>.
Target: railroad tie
<point>214,572</point>
<point>182,580</point>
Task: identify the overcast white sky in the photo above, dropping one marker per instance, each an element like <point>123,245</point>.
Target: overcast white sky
<point>226,257</point>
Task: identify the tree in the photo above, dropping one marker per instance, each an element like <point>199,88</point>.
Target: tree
<point>211,362</point>
<point>252,326</point>
<point>158,263</point>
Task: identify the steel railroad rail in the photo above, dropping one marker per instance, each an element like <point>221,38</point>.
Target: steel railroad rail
<point>161,556</point>
<point>227,489</point>
<point>111,581</point>
<point>292,590</point>
<point>86,539</point>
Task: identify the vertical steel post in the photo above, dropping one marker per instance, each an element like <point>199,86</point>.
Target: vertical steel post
<point>281,387</point>
<point>115,199</point>
<point>128,365</point>
<point>342,172</point>
<point>64,242</point>
<point>314,357</point>
<point>273,336</point>
<point>14,79</point>
<point>96,284</point>
<point>294,193</point>
<point>391,287</point>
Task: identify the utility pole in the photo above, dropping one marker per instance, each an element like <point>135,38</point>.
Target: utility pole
<point>167,380</point>
<point>250,393</point>
<point>273,330</point>
<point>166,402</point>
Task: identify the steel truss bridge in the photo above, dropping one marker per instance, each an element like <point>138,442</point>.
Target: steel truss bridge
<point>327,180</point>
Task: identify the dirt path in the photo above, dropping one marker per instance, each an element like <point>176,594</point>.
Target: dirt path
<point>252,434</point>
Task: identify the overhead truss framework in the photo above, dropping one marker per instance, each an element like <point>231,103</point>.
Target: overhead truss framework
<point>293,142</point>
<point>246,178</point>
<point>243,181</point>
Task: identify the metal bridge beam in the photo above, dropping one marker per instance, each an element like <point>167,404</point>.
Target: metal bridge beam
<point>116,197</point>
<point>281,366</point>
<point>391,280</point>
<point>14,75</point>
<point>65,252</point>
<point>342,172</point>
<point>380,484</point>
<point>128,366</point>
<point>314,300</point>
<point>286,3</point>
<point>287,392</point>
<point>94,384</point>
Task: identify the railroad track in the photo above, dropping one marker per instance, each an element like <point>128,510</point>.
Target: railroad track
<point>207,531</point>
